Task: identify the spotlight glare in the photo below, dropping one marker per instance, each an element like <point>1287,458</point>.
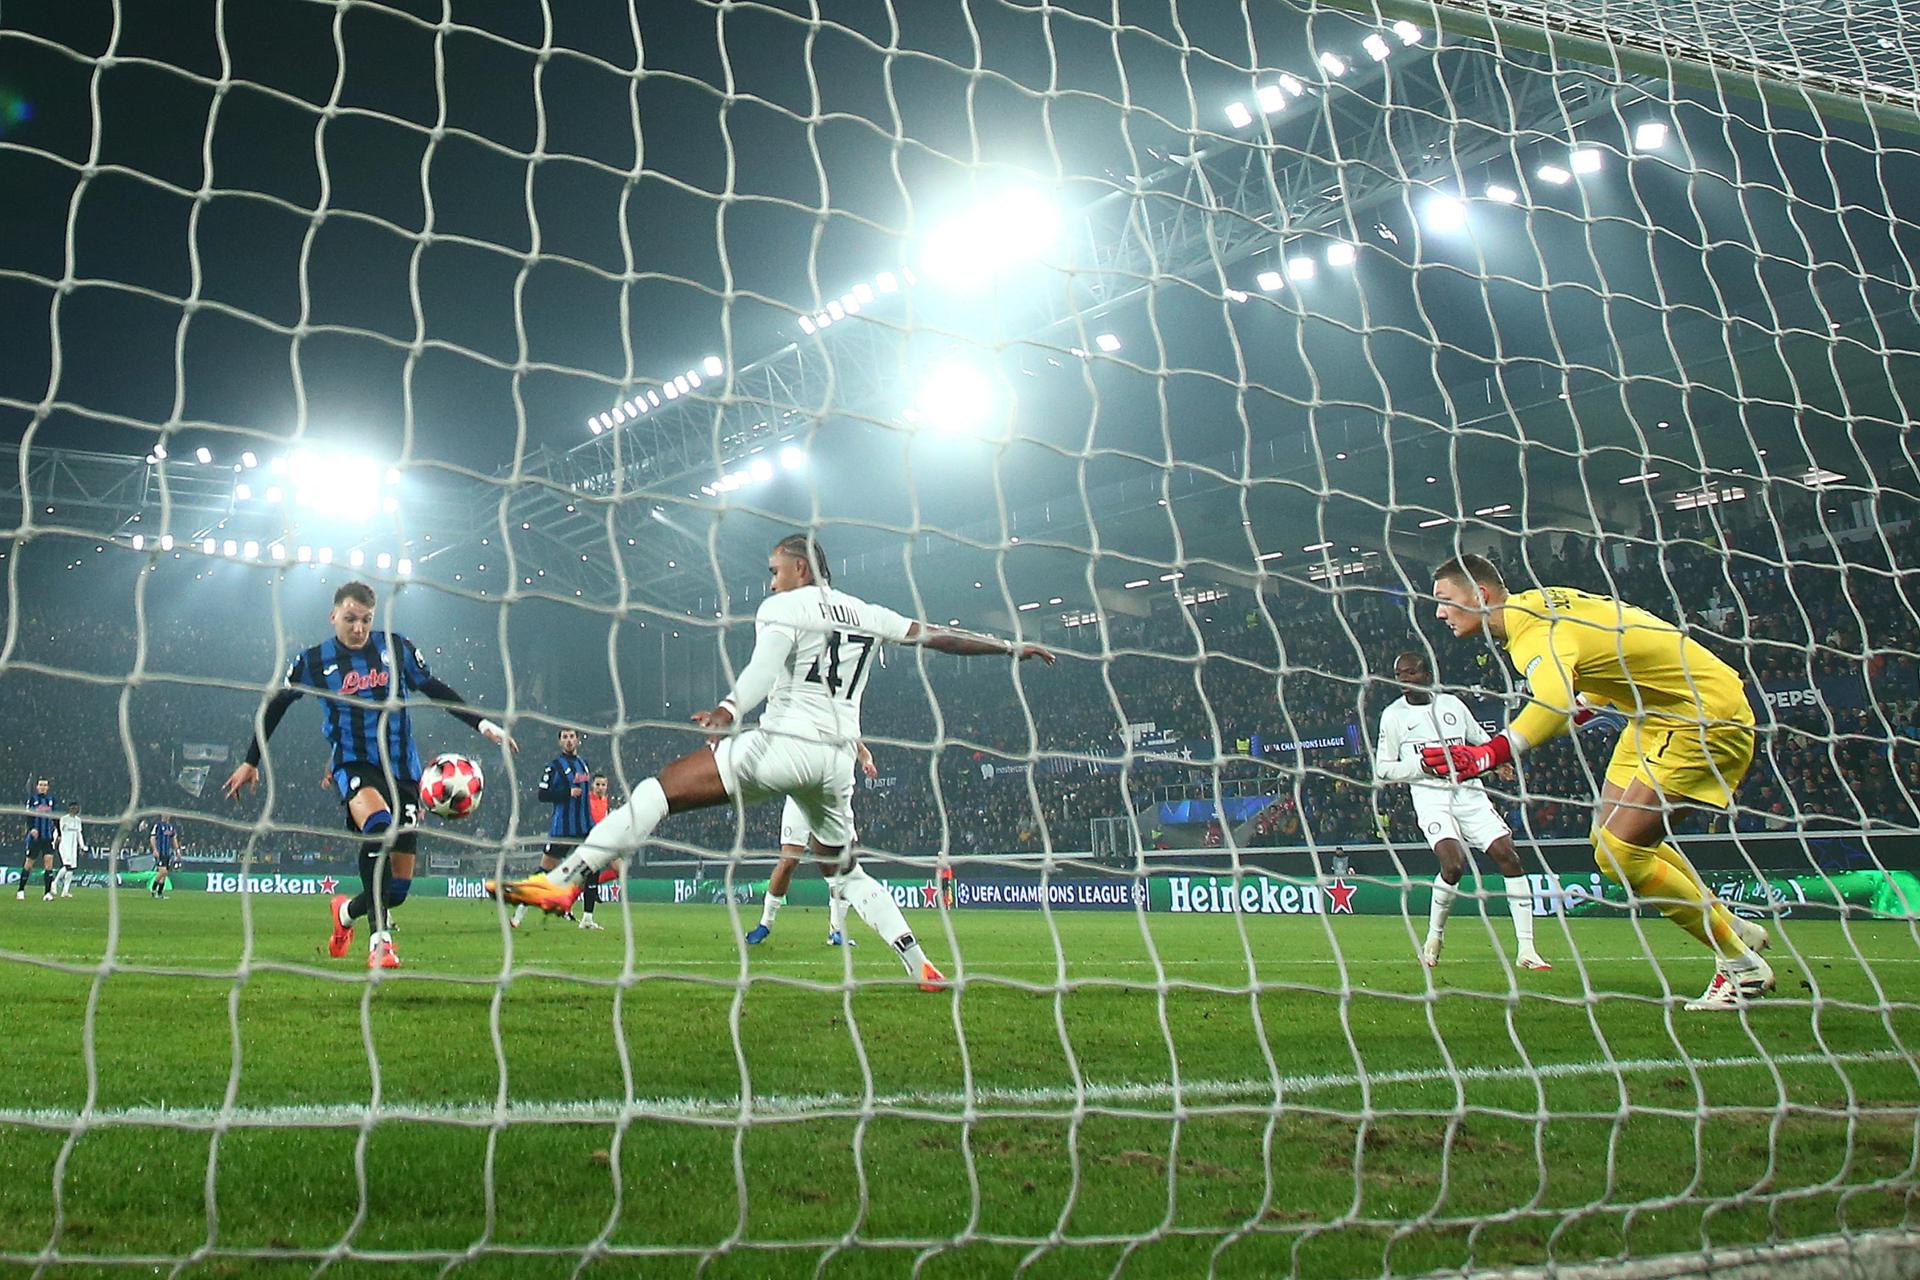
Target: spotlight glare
<point>1585,160</point>
<point>324,555</point>
<point>1501,194</point>
<point>835,311</point>
<point>1408,33</point>
<point>593,425</point>
<point>1340,254</point>
<point>862,293</point>
<point>204,454</point>
<point>208,547</point>
<point>1107,342</point>
<point>1650,135</point>
<point>278,551</point>
<point>850,304</point>
<point>1270,98</point>
<point>229,547</point>
<point>166,542</point>
<point>793,458</point>
<point>1300,268</point>
<point>1292,85</point>
<point>1332,63</point>
<point>251,550</point>
<point>1270,281</point>
<point>1552,174</point>
<point>1017,225</point>
<point>761,470</point>
<point>303,555</point>
<point>712,366</point>
<point>248,460</point>
<point>886,282</point>
<point>1238,116</point>
<point>653,398</point>
<point>139,542</point>
<point>404,568</point>
<point>1445,214</point>
<point>806,325</point>
<point>356,557</point>
<point>956,398</point>
<point>242,492</point>
<point>1376,48</point>
<point>160,452</point>
<point>683,384</point>
<point>383,561</point>
<point>669,390</point>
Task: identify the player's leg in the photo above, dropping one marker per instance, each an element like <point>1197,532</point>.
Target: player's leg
<point>1446,887</point>
<point>1752,933</point>
<point>26,869</point>
<point>548,861</point>
<point>47,874</point>
<point>589,892</point>
<point>386,867</point>
<point>836,908</point>
<point>873,904</point>
<point>782,878</point>
<point>1519,889</point>
<point>692,782</point>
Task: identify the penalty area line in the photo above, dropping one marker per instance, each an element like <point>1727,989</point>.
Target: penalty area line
<point>783,1106</point>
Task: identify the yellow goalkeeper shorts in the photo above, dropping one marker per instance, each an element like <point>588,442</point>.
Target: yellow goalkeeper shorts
<point>1701,763</point>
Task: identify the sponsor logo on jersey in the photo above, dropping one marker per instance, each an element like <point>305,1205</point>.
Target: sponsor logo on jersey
<point>354,682</point>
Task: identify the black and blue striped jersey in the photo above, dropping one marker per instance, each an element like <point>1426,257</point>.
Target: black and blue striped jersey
<point>572,815</point>
<point>164,835</point>
<point>42,822</point>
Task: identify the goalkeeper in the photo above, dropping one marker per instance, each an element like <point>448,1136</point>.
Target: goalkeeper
<point>1688,742</point>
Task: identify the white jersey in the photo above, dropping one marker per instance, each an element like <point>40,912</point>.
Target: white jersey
<point>816,692</point>
<point>70,839</point>
<point>1405,729</point>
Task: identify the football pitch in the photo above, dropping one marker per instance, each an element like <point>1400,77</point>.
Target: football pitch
<point>188,1090</point>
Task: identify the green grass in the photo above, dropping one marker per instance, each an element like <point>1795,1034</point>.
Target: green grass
<point>1492,1128</point>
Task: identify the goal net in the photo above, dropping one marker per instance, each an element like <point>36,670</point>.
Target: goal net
<point>1184,341</point>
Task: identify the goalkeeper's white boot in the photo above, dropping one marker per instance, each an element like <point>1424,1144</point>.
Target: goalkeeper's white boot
<point>1430,951</point>
<point>1753,933</point>
<point>1734,988</point>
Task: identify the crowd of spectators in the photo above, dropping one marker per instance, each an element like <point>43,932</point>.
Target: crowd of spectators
<point>977,756</point>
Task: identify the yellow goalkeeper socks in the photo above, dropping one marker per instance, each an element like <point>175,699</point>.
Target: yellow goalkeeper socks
<point>1681,897</point>
<point>1722,918</point>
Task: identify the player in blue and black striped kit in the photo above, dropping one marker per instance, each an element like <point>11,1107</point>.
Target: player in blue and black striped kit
<point>567,785</point>
<point>41,820</point>
<point>363,677</point>
<point>164,840</point>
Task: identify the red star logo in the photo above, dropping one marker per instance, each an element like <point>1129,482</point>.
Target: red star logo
<point>328,884</point>
<point>1340,894</point>
<point>930,894</point>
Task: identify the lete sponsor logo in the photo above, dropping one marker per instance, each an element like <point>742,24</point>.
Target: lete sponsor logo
<point>221,882</point>
<point>1263,896</point>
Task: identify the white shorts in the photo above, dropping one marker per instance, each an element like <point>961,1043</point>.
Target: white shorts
<point>794,828</point>
<point>71,861</point>
<point>1468,816</point>
<point>816,778</point>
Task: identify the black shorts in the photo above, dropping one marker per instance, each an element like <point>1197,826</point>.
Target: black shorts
<point>165,860</point>
<point>39,846</point>
<point>348,779</point>
<point>560,847</point>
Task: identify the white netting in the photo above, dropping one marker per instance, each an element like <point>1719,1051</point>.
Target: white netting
<point>1186,342</point>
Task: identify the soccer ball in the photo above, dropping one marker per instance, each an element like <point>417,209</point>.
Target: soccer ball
<point>450,786</point>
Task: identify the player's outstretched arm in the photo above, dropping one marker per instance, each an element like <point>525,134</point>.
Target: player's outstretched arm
<point>971,643</point>
<point>246,774</point>
<point>771,645</point>
<point>440,691</point>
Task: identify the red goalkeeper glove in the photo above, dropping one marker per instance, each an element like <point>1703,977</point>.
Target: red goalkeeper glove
<point>1464,760</point>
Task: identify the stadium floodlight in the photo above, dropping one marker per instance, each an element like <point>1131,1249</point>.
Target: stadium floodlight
<point>681,382</point>
<point>709,490</point>
<point>956,397</point>
<point>886,282</point>
<point>593,425</point>
<point>1138,582</point>
<point>761,470</point>
<point>850,304</point>
<point>383,561</point>
<point>1292,85</point>
<point>404,568</point>
<point>1650,135</point>
<point>166,542</point>
<point>1436,522</point>
<point>793,458</point>
<point>1332,63</point>
<point>1408,33</point>
<point>619,415</point>
<point>1270,98</point>
<point>204,454</point>
<point>1585,160</point>
<point>1340,254</point>
<point>653,398</point>
<point>303,555</point>
<point>806,324</point>
<point>1641,478</point>
<point>277,551</point>
<point>1300,268</point>
<point>209,547</point>
<point>1107,342</point>
<point>1017,225</point>
<point>249,460</point>
<point>693,379</point>
<point>835,311</point>
<point>1553,174</point>
<point>1271,555</point>
<point>251,550</point>
<point>714,368</point>
<point>1317,546</point>
<point>862,293</point>
<point>139,542</point>
<point>160,453</point>
<point>242,492</point>
<point>822,320</point>
<point>324,555</point>
<point>669,390</point>
<point>229,547</point>
<point>1444,214</point>
<point>1271,281</point>
<point>356,557</point>
<point>1376,48</point>
<point>1238,116</point>
<point>1501,194</point>
<point>634,408</point>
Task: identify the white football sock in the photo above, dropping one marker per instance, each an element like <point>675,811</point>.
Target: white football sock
<point>520,913</point>
<point>770,907</point>
<point>620,833</point>
<point>876,906</point>
<point>377,937</point>
<point>836,910</point>
<point>1441,907</point>
<point>1520,907</point>
<point>340,915</point>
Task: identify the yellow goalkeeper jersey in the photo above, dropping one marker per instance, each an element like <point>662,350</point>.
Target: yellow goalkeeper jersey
<point>1565,641</point>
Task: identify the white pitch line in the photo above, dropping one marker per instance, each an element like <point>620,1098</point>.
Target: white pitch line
<point>545,965</point>
<point>980,1101</point>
